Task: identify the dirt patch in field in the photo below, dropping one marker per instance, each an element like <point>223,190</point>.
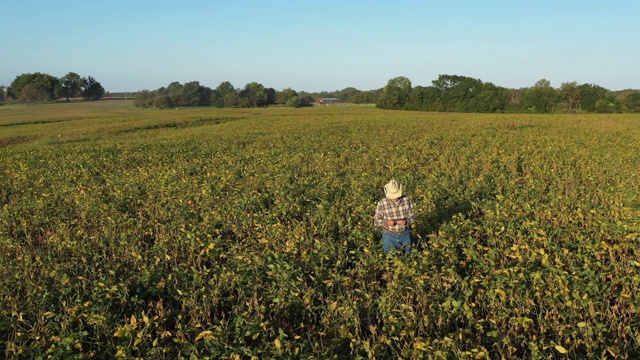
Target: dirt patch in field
<point>4,142</point>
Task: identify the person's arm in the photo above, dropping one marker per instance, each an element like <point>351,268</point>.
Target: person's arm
<point>378,218</point>
<point>411,216</point>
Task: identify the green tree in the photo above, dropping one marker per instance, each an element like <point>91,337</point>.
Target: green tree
<point>231,99</point>
<point>255,94</point>
<point>163,101</point>
<point>221,92</point>
<point>305,99</point>
<point>293,102</point>
<point>225,88</point>
<point>42,87</point>
<point>69,85</point>
<point>541,98</point>
<point>515,100</point>
<point>92,90</point>
<point>32,93</point>
<point>590,94</point>
<point>608,104</point>
<point>244,101</point>
<point>570,94</point>
<point>3,94</point>
<point>425,99</point>
<point>395,95</point>
<point>367,97</point>
<point>346,94</point>
<point>283,96</point>
<point>491,99</point>
<point>458,93</point>
<point>174,88</point>
<point>271,96</point>
<point>143,99</point>
<point>194,94</point>
<point>632,102</point>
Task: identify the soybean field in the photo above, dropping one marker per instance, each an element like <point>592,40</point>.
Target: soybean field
<point>248,234</point>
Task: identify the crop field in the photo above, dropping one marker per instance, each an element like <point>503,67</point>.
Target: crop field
<point>248,234</point>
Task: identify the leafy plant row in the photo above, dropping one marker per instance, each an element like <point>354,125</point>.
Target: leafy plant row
<point>254,238</point>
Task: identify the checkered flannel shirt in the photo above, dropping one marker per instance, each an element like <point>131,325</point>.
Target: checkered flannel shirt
<point>388,210</point>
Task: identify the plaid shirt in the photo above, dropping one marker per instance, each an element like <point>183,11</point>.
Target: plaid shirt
<point>388,210</point>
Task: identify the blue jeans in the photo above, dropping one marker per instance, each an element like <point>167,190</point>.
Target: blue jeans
<point>401,242</point>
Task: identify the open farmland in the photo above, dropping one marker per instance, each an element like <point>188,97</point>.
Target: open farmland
<point>247,233</point>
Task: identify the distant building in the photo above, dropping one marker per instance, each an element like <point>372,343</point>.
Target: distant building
<point>327,100</point>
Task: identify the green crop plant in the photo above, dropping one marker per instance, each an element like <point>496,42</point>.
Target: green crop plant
<point>247,233</point>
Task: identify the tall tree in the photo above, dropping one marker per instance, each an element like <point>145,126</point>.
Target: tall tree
<point>194,94</point>
<point>541,98</point>
<point>42,87</point>
<point>458,93</point>
<point>143,99</point>
<point>221,92</point>
<point>163,101</point>
<point>232,99</point>
<point>293,102</point>
<point>515,99</point>
<point>570,94</point>
<point>367,97</point>
<point>69,85</point>
<point>491,99</point>
<point>255,95</point>
<point>395,95</point>
<point>92,90</point>
<point>590,94</point>
<point>283,96</point>
<point>425,99</point>
<point>347,94</point>
<point>174,88</point>
<point>632,102</point>
<point>225,88</point>
<point>271,96</point>
<point>3,94</point>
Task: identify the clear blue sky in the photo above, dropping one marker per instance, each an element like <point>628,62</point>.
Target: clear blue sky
<point>323,45</point>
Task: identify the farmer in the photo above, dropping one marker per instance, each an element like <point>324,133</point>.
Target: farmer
<point>394,213</point>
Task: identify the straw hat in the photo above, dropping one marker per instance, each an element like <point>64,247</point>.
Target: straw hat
<point>393,190</point>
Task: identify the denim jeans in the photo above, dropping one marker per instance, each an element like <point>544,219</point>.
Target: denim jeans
<point>401,242</point>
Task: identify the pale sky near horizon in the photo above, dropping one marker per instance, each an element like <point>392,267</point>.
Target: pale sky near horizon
<point>324,45</point>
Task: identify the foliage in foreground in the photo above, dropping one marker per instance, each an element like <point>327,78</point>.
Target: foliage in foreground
<point>235,234</point>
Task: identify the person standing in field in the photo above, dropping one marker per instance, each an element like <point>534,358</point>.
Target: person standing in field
<point>394,213</point>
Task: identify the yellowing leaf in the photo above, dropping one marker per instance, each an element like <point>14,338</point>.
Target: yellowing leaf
<point>561,349</point>
<point>205,334</point>
<point>277,343</point>
<point>582,324</point>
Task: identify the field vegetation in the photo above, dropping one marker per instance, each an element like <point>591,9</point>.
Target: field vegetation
<point>247,233</point>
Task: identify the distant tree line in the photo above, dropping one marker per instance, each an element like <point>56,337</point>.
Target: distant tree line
<point>37,87</point>
<point>252,95</point>
<point>451,93</point>
<point>225,95</point>
<point>464,94</point>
